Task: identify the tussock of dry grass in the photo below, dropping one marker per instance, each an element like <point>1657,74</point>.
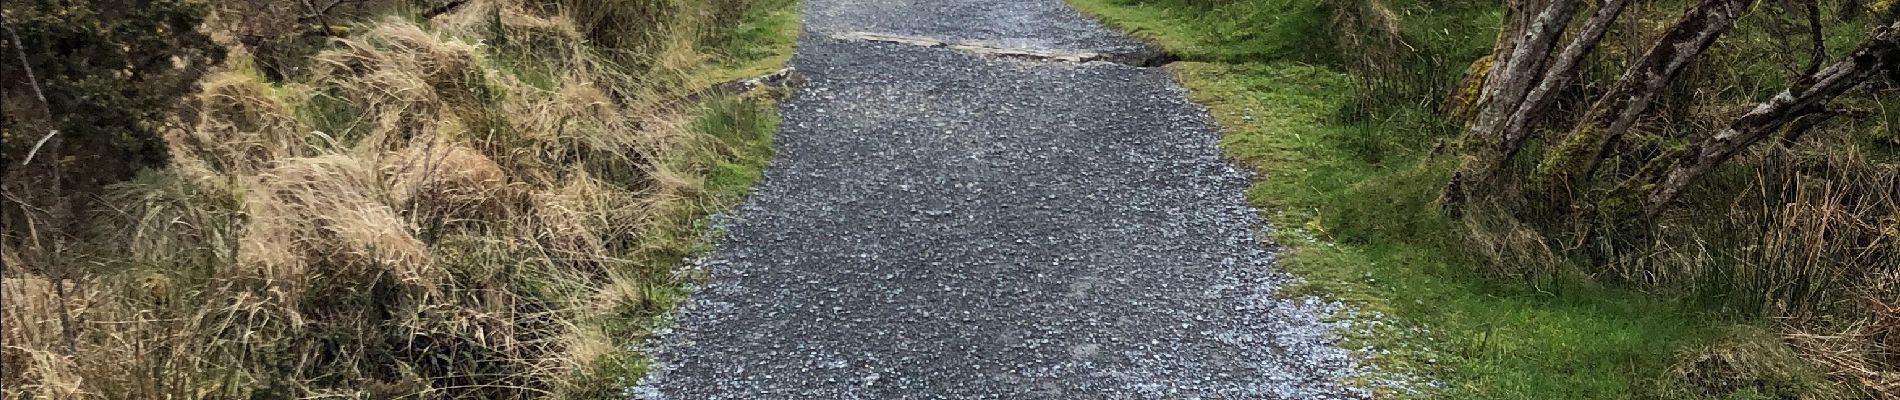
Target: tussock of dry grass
<point>1746,360</point>
<point>239,127</point>
<point>1807,235</point>
<point>446,232</point>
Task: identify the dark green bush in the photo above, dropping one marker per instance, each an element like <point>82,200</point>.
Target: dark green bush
<point>110,70</point>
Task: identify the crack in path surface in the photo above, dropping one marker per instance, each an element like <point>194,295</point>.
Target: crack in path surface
<point>983,48</point>
<point>943,225</point>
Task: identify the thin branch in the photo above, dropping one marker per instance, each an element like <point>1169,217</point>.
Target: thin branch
<point>19,49</point>
<point>443,9</point>
<point>36,146</point>
<point>319,14</point>
<point>1819,53</point>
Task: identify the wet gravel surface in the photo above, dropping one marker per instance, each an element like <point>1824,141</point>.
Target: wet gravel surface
<point>941,225</point>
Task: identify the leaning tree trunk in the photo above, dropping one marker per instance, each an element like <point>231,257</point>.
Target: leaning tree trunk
<point>1515,75</point>
<point>1505,126</point>
<point>1618,109</point>
<point>1806,95</point>
<point>1517,127</point>
<point>1518,17</point>
<point>1521,92</point>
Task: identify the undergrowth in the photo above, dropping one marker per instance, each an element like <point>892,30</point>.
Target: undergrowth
<point>482,204</point>
<point>1352,151</point>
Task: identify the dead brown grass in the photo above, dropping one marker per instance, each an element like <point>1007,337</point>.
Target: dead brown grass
<point>1744,359</point>
<point>448,232</point>
<point>1806,235</point>
<point>1864,350</point>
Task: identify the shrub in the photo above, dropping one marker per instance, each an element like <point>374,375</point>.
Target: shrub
<point>109,71</point>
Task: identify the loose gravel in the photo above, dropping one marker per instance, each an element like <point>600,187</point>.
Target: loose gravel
<point>943,225</point>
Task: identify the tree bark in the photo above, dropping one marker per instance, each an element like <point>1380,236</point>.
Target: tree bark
<point>1879,53</point>
<point>1517,127</point>
<point>1518,17</point>
<point>1504,87</point>
<point>1515,76</point>
<point>1505,126</point>
<point>1509,138</point>
<point>1630,97</point>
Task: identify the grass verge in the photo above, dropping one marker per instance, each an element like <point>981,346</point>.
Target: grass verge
<point>761,43</point>
<point>743,127</point>
<point>1364,230</point>
<point>740,128</point>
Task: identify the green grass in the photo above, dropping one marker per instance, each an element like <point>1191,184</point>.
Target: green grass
<point>1565,340</point>
<point>740,125</point>
<point>741,128</point>
<point>759,44</point>
<point>1353,201</point>
<point>1243,31</point>
<point>745,126</point>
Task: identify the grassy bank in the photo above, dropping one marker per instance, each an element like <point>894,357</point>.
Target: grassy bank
<point>1352,192</point>
<point>486,202</point>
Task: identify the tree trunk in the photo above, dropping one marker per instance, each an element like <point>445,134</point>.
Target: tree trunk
<point>1515,76</point>
<point>1630,97</point>
<point>1504,125</point>
<point>1801,98</point>
<point>1518,17</point>
<point>1517,127</point>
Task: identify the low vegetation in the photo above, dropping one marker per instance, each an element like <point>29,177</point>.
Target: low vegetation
<point>366,199</point>
<point>1770,276</point>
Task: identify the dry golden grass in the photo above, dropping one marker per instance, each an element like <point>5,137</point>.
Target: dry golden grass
<point>1864,348</point>
<point>1808,236</point>
<point>239,126</point>
<point>438,211</point>
<point>1746,359</point>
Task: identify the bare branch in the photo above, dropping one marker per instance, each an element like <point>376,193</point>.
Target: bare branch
<point>1612,115</point>
<point>1878,54</point>
<point>36,147</point>
<point>19,49</point>
<point>317,14</point>
<point>1819,53</point>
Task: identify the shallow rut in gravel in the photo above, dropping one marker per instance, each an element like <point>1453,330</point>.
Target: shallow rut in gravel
<point>949,224</point>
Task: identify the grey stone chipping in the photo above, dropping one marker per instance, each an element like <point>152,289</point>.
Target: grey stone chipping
<point>941,225</point>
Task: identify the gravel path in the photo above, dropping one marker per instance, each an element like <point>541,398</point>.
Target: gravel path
<point>943,225</point>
